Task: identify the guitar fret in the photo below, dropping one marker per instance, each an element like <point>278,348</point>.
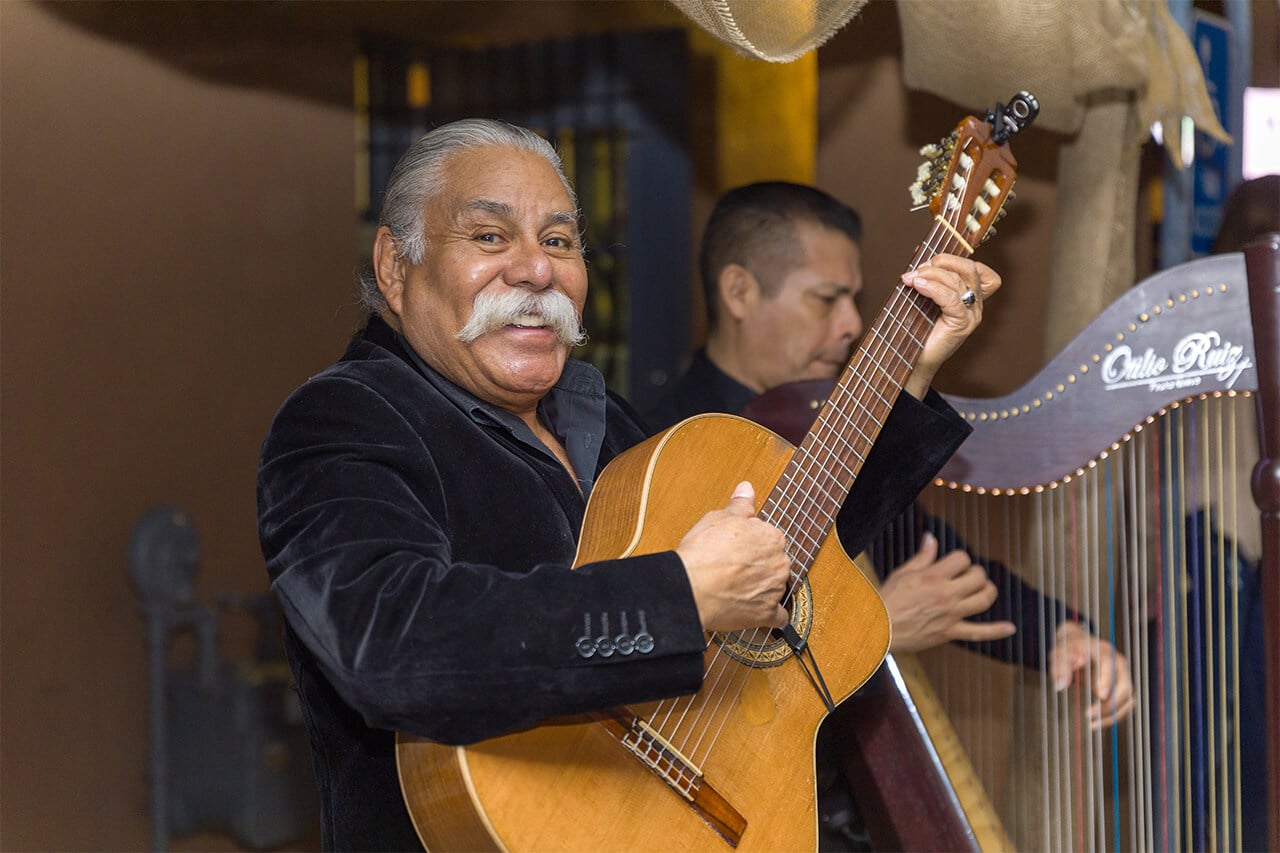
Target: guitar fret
<point>812,541</point>
<point>837,439</point>
<point>874,366</point>
<point>920,310</point>
<point>856,422</point>
<point>898,322</point>
<point>802,509</point>
<point>847,416</point>
<point>894,383</point>
<point>835,445</point>
<point>906,363</point>
<point>806,537</point>
<point>810,471</point>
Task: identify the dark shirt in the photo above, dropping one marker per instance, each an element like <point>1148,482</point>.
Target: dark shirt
<point>703,388</point>
<point>574,411</point>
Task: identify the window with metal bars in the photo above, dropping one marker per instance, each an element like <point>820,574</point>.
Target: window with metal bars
<point>619,116</point>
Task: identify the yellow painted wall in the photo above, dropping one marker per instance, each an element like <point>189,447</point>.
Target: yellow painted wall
<point>766,116</point>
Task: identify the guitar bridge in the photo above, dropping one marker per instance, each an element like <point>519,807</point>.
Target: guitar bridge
<point>681,775</point>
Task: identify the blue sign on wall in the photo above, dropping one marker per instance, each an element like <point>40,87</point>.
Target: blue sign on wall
<point>1211,35</point>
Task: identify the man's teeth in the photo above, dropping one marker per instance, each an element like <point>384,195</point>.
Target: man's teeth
<point>530,321</point>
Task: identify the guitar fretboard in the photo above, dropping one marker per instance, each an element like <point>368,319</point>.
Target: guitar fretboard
<point>808,495</point>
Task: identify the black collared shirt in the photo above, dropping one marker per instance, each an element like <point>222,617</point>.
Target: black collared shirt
<point>703,388</point>
<point>573,410</point>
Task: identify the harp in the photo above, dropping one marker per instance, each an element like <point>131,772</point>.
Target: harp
<point>1117,482</point>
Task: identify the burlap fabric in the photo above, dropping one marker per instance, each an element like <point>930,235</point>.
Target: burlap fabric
<point>773,30</point>
<point>1104,71</point>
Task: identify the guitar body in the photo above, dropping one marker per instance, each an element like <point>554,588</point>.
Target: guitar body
<point>576,787</point>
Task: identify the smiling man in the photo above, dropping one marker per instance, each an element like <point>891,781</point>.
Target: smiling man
<point>419,502</point>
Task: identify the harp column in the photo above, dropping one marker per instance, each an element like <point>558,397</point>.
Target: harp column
<point>1262,262</point>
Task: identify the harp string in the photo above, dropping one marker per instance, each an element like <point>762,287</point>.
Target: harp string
<point>1141,545</point>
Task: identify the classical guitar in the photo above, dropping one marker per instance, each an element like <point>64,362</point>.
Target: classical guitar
<point>731,766</point>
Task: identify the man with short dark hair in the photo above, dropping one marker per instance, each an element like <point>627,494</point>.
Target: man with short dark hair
<point>781,267</point>
<point>781,272</point>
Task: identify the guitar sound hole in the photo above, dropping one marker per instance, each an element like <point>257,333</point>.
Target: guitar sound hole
<point>767,648</point>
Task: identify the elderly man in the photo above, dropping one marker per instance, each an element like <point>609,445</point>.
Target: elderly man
<point>420,500</point>
<point>781,271</point>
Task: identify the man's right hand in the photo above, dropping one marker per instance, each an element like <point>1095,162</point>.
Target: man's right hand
<point>928,600</point>
<point>738,566</point>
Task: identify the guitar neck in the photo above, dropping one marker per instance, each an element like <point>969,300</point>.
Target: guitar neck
<point>822,471</point>
<point>967,181</point>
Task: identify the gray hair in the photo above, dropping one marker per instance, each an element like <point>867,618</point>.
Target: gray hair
<point>419,176</point>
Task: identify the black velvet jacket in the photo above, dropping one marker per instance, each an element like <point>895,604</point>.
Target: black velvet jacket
<point>421,557</point>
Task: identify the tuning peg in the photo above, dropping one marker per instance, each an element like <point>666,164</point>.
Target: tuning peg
<point>1000,214</point>
<point>928,178</point>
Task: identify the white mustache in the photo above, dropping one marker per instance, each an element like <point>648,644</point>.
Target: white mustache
<point>549,308</point>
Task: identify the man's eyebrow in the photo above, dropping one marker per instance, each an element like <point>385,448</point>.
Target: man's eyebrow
<point>563,217</point>
<point>489,205</point>
<point>503,209</point>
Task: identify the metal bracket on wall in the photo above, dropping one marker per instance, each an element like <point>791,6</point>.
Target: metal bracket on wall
<point>229,753</point>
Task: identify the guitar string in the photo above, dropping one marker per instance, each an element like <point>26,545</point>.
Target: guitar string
<point>928,324</point>
<point>798,543</point>
<point>840,418</point>
<point>827,515</point>
<point>848,414</point>
<point>811,545</point>
<point>851,415</point>
<point>831,417</point>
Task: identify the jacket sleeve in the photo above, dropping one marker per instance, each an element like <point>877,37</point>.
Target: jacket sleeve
<point>917,438</point>
<point>355,529</point>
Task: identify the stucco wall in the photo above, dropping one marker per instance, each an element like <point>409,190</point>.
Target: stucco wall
<point>158,231</point>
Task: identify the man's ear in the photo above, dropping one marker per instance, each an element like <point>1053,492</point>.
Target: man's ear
<point>739,290</point>
<point>389,269</point>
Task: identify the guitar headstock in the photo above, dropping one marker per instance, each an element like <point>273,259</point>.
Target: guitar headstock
<point>969,175</point>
